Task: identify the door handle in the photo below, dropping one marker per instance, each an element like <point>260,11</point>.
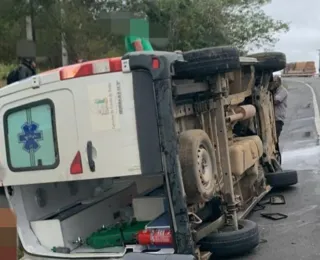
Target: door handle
<point>91,162</point>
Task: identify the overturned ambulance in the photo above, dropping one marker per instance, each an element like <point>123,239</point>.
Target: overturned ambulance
<point>150,155</point>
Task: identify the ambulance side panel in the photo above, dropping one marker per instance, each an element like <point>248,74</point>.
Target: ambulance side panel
<point>38,132</point>
<point>110,119</point>
<point>116,115</point>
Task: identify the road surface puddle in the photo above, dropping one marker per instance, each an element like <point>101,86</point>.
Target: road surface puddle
<point>302,159</point>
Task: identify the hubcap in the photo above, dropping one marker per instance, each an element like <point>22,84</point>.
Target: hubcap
<point>204,167</point>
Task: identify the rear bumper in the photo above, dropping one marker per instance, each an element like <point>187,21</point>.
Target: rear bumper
<point>130,256</point>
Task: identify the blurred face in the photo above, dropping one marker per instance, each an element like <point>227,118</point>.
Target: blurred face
<point>276,83</point>
<point>272,86</point>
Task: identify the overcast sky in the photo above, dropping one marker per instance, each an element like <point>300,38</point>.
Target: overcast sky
<point>303,39</point>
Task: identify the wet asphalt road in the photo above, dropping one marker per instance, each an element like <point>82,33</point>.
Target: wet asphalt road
<point>298,236</point>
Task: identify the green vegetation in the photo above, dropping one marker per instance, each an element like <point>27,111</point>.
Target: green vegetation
<point>187,24</point>
<point>20,253</point>
<point>5,69</point>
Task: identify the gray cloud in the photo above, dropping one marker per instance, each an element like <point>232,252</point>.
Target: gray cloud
<point>303,39</point>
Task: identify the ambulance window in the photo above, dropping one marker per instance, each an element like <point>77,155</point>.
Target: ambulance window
<point>31,141</point>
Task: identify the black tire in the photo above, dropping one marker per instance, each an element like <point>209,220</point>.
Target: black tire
<point>271,61</point>
<point>208,61</point>
<point>195,149</point>
<point>282,179</point>
<point>233,243</point>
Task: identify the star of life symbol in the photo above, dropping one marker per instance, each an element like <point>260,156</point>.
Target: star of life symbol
<point>30,136</point>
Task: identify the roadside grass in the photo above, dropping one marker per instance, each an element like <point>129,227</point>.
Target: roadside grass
<point>4,71</point>
<point>20,253</point>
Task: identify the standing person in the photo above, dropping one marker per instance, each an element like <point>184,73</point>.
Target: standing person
<point>26,69</point>
<point>138,38</point>
<point>280,95</point>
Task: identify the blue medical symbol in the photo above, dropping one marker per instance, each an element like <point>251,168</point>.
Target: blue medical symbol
<point>30,136</point>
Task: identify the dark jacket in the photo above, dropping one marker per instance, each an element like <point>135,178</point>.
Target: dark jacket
<point>26,70</point>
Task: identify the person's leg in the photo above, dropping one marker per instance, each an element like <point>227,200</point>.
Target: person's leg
<point>279,126</point>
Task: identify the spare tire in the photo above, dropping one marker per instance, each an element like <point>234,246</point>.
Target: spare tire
<point>271,61</point>
<point>232,243</point>
<point>198,166</point>
<point>282,179</point>
<point>207,61</point>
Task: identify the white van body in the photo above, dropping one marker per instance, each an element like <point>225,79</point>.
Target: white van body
<point>81,113</point>
<point>94,144</point>
<point>60,191</point>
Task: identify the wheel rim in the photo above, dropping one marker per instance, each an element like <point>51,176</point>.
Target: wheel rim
<point>204,167</point>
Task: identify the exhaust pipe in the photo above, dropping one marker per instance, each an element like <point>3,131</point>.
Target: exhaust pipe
<point>242,113</point>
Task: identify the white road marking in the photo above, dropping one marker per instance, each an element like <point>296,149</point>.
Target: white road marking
<point>315,108</point>
<point>304,210</point>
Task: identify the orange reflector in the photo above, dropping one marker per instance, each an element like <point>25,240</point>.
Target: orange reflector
<point>91,68</point>
<point>76,166</point>
<point>75,71</point>
<point>155,63</point>
<point>115,64</point>
<point>84,70</point>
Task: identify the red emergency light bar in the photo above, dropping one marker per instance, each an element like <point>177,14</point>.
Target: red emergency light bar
<point>91,68</point>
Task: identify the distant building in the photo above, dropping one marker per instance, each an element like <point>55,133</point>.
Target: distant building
<point>300,69</point>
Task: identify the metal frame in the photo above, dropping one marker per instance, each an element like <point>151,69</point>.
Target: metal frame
<point>183,241</point>
<point>213,108</point>
<point>183,237</point>
<point>221,88</point>
<point>260,94</point>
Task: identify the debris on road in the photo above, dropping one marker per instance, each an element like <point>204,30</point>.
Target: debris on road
<point>274,216</point>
